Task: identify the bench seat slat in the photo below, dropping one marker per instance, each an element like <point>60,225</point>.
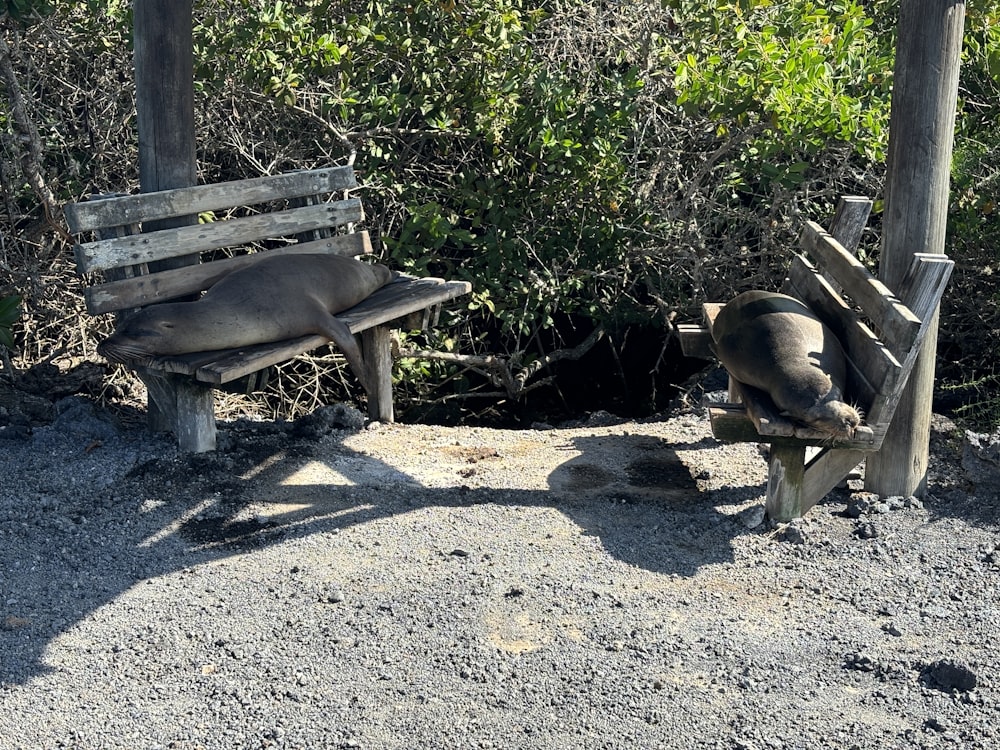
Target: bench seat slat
<point>163,286</point>
<point>393,301</point>
<point>188,240</point>
<point>91,215</point>
<point>732,423</point>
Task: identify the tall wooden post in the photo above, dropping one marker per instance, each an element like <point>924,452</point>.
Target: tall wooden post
<point>921,132</point>
<point>164,84</point>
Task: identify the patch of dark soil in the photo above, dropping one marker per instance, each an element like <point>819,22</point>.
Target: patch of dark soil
<point>658,471</point>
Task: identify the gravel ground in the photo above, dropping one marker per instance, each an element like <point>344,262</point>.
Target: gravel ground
<point>609,585</point>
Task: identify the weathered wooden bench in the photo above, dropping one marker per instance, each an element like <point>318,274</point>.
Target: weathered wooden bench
<point>881,333</point>
<point>138,250</point>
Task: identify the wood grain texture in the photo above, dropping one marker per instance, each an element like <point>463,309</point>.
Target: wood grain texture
<point>88,216</point>
<point>921,133</point>
<point>188,240</point>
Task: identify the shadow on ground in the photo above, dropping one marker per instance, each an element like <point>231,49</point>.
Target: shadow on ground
<point>631,492</point>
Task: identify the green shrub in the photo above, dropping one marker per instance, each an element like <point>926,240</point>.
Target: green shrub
<point>805,74</point>
<point>10,311</point>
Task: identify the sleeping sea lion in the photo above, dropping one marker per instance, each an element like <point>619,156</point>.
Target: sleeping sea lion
<point>775,343</point>
<point>279,297</point>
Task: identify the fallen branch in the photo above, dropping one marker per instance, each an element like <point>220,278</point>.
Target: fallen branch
<point>500,371</point>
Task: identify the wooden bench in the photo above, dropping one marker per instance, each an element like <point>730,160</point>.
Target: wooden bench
<point>881,333</point>
<point>138,250</point>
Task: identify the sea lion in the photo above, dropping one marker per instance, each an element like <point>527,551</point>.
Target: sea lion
<point>279,297</point>
<point>775,343</point>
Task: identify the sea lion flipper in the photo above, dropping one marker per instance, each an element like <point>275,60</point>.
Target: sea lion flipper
<point>338,332</point>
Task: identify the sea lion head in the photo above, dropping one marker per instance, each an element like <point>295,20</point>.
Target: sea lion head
<point>811,397</point>
<point>836,418</point>
<point>158,329</point>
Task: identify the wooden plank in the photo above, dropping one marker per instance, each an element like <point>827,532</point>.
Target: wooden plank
<point>185,408</point>
<point>785,470</point>
<point>825,471</point>
<point>849,221</point>
<point>894,321</point>
<point>164,70</point>
<point>710,311</point>
<point>400,298</point>
<point>921,134</point>
<point>145,290</point>
<point>732,423</point>
<point>171,243</point>
<point>924,284</point>
<point>696,341</point>
<point>86,216</point>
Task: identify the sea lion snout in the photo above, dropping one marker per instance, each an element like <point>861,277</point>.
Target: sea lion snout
<point>837,418</point>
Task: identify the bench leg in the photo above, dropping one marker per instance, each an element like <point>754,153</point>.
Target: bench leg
<point>785,478</point>
<point>377,347</point>
<point>826,471</point>
<point>185,407</point>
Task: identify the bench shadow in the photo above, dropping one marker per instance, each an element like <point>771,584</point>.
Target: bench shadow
<point>172,513</point>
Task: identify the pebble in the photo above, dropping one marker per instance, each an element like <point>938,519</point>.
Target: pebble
<point>867,531</point>
<point>950,675</point>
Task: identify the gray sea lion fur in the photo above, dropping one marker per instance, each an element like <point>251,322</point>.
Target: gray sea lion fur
<point>279,297</point>
<point>776,344</point>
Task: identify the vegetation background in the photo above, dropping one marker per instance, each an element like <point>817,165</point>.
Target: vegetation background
<point>595,168</point>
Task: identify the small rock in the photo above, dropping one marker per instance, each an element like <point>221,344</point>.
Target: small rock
<point>949,675</point>
<point>13,622</point>
<point>459,552</point>
<point>331,595</point>
<point>936,724</point>
<point>752,517</point>
<point>601,418</point>
<point>892,629</point>
<point>793,532</point>
<point>859,662</point>
<point>866,531</point>
<point>328,418</point>
<point>860,503</point>
<point>897,502</point>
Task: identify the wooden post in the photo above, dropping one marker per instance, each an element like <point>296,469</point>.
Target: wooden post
<point>376,345</point>
<point>164,86</point>
<point>785,475</point>
<point>921,131</point>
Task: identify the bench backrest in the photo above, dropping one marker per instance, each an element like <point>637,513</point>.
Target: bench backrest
<point>139,240</point>
<point>882,332</point>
